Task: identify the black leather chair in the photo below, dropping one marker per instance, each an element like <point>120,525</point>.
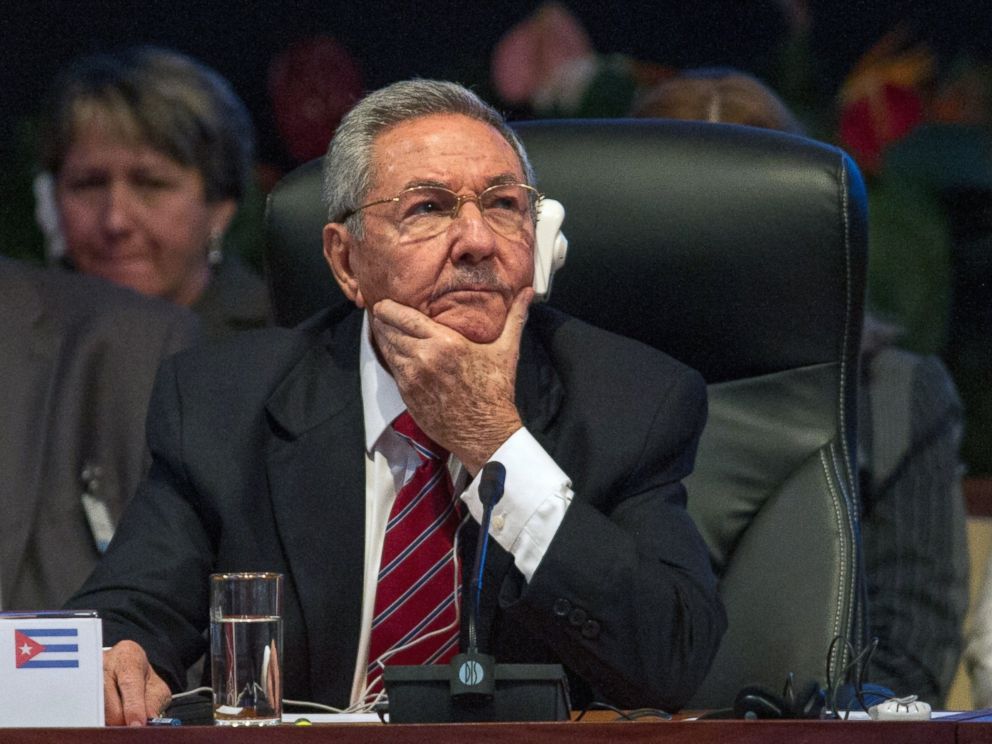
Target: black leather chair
<point>741,252</point>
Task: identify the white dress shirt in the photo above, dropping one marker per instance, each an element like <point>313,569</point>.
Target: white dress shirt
<point>536,493</point>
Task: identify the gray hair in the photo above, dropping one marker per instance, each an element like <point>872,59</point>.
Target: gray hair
<point>348,166</point>
<point>160,99</point>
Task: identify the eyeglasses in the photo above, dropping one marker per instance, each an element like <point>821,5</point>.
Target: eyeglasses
<point>424,211</point>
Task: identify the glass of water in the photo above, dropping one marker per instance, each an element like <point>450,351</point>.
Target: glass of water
<point>246,648</point>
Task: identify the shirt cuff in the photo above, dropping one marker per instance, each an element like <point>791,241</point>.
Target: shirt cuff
<point>536,495</point>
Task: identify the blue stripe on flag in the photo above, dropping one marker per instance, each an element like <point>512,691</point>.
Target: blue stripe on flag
<point>62,647</point>
<point>53,664</point>
<point>48,631</point>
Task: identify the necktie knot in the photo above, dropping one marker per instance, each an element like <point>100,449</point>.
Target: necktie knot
<point>427,448</point>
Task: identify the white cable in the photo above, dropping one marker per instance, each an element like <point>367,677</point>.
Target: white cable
<point>315,706</point>
<point>194,691</point>
<point>364,705</point>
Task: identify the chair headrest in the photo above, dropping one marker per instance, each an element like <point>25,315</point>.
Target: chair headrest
<point>728,247</point>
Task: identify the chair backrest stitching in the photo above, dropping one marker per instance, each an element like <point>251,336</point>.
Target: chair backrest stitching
<point>846,355</point>
<point>830,472</point>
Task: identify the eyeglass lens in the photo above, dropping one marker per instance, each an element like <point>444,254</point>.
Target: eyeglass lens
<point>428,210</point>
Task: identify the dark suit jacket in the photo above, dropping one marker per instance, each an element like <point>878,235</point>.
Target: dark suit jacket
<point>236,299</point>
<point>259,464</point>
<point>77,361</point>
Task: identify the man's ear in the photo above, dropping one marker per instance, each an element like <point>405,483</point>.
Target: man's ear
<point>338,245</point>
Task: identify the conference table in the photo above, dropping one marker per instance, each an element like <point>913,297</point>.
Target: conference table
<point>595,728</point>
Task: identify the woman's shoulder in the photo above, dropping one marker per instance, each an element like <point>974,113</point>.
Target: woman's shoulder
<point>236,299</point>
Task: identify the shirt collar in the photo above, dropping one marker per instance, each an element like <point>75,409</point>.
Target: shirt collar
<point>381,401</point>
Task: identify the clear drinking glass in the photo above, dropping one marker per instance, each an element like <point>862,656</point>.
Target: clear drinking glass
<point>246,648</point>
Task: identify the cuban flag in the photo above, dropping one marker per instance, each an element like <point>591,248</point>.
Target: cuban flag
<point>46,648</point>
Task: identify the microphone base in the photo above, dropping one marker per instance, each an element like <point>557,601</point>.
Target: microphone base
<point>522,692</point>
<point>473,677</point>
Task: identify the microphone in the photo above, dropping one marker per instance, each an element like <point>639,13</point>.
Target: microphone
<point>474,677</point>
<point>490,492</point>
<point>473,687</point>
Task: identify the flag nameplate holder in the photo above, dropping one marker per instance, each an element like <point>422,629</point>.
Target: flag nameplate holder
<point>51,669</point>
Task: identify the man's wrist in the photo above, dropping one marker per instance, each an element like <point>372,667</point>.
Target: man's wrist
<point>486,442</point>
<point>536,496</point>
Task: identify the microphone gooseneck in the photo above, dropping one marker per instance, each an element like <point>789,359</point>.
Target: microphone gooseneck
<point>490,492</point>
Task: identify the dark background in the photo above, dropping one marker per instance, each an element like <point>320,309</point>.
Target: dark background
<point>449,38</point>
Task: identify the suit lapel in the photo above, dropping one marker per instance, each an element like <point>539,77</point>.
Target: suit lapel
<point>539,390</point>
<point>316,468</point>
<point>539,395</point>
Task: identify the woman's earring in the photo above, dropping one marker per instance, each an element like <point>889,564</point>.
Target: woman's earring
<point>215,252</point>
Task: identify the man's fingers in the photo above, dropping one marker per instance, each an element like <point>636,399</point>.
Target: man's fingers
<point>398,328</point>
<point>394,343</point>
<point>405,319</point>
<point>132,690</point>
<point>113,711</point>
<point>131,682</point>
<point>404,334</point>
<point>516,318</point>
<point>157,695</point>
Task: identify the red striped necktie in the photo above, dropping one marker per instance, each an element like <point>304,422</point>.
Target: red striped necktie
<point>416,594</point>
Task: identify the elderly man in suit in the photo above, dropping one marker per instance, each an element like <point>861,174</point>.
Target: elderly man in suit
<point>294,451</point>
<point>77,361</point>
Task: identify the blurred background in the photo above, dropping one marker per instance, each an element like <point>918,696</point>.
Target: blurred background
<point>393,39</point>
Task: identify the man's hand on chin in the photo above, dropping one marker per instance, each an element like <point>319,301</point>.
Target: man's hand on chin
<point>460,393</point>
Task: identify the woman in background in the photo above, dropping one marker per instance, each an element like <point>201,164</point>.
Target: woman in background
<point>149,154</point>
<point>717,94</point>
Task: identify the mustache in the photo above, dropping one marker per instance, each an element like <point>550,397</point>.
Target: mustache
<point>480,277</point>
